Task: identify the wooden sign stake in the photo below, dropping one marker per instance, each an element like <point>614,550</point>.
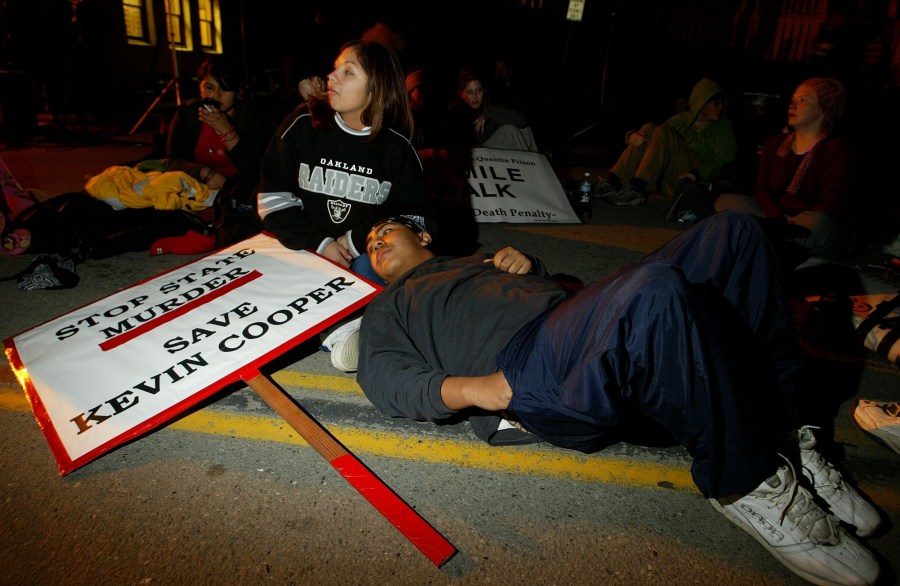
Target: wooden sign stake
<point>425,537</point>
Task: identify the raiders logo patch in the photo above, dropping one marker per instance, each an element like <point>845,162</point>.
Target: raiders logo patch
<point>338,210</point>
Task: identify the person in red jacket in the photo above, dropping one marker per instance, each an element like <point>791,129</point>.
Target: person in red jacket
<point>806,173</point>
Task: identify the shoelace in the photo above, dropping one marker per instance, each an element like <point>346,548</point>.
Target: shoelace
<point>797,505</point>
<point>816,459</point>
<point>892,409</point>
<point>835,480</point>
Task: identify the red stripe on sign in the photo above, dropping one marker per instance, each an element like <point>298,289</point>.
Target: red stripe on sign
<point>403,517</point>
<point>189,306</point>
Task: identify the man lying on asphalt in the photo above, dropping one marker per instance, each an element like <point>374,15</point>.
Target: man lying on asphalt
<point>697,337</point>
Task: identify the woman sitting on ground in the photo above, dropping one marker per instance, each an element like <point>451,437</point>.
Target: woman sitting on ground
<point>806,174</point>
<point>219,139</point>
<point>476,122</point>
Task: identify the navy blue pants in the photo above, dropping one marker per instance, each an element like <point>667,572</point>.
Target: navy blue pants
<point>361,265</point>
<point>698,337</point>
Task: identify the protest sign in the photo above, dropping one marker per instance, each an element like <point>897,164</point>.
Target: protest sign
<point>112,370</point>
<point>117,368</point>
<point>497,186</point>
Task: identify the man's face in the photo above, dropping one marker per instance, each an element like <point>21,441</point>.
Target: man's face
<point>394,249</point>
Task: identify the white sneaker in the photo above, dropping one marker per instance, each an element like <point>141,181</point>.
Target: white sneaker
<point>882,420</point>
<point>842,499</point>
<point>782,516</point>
<point>343,343</point>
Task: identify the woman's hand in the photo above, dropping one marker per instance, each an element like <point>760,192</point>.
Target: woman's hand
<point>311,86</point>
<point>479,124</point>
<point>338,253</point>
<point>215,118</point>
<point>510,260</point>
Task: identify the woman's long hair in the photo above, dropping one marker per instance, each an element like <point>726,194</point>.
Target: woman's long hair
<point>389,104</point>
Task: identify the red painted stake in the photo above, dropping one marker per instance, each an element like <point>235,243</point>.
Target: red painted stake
<point>425,537</point>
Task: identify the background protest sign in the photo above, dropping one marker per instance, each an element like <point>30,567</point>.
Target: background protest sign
<point>497,186</point>
<point>110,371</point>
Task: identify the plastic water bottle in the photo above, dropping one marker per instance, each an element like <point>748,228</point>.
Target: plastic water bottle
<point>586,190</point>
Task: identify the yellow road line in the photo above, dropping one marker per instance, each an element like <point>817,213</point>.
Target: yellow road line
<point>12,401</point>
<point>341,384</point>
<point>518,460</point>
<point>446,451</point>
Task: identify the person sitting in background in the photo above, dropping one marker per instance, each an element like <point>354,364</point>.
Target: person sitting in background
<point>428,116</point>
<point>690,146</point>
<point>807,173</point>
<point>219,139</point>
<point>504,87</point>
<point>475,122</point>
<point>697,338</point>
<point>305,73</point>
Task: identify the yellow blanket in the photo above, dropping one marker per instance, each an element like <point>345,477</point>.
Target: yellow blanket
<point>127,187</point>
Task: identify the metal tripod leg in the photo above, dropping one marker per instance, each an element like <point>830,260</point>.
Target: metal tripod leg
<point>153,105</point>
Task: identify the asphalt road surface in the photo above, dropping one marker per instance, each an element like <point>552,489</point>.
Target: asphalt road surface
<point>227,493</point>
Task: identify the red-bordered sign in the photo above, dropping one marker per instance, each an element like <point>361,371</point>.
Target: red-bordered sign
<point>112,370</point>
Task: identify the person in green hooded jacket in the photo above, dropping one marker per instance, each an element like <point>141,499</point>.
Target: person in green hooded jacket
<point>690,146</point>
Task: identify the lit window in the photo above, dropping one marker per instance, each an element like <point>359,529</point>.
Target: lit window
<point>179,29</point>
<point>209,23</point>
<point>139,29</point>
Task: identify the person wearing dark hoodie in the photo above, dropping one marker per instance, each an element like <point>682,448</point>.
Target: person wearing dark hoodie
<point>692,145</point>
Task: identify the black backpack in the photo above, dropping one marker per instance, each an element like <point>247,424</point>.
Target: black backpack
<point>80,226</point>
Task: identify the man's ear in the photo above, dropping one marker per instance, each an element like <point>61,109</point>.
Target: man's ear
<point>425,238</point>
